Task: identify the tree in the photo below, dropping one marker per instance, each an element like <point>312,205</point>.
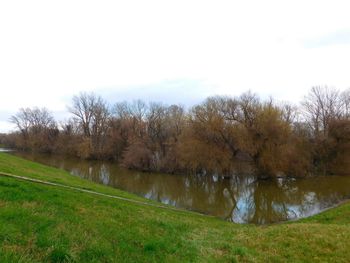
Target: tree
<point>345,99</point>
<point>326,111</point>
<point>210,138</point>
<point>267,141</point>
<point>209,143</point>
<point>38,129</point>
<point>338,148</point>
<point>82,109</point>
<point>92,114</point>
<point>320,107</point>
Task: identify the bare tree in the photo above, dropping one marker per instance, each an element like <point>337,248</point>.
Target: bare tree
<point>211,137</point>
<point>345,98</point>
<point>289,112</point>
<point>320,107</point>
<point>92,114</point>
<point>22,120</point>
<point>38,128</point>
<point>249,104</point>
<point>175,120</point>
<point>82,108</point>
<point>34,119</point>
<point>155,119</point>
<point>121,110</point>
<point>100,125</point>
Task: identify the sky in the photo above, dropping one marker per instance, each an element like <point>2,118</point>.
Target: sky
<point>168,51</point>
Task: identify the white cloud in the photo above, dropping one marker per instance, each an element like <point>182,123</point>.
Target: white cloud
<point>50,50</point>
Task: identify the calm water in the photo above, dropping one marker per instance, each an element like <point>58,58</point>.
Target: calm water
<point>240,199</point>
<point>5,150</point>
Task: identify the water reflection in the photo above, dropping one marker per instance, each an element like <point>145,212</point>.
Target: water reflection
<point>5,150</point>
<point>240,199</point>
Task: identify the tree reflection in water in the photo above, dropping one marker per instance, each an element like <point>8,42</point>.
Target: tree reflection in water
<point>241,199</point>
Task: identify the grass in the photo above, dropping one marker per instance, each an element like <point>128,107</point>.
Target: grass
<point>40,223</point>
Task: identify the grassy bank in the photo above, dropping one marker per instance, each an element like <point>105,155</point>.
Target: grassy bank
<point>45,223</point>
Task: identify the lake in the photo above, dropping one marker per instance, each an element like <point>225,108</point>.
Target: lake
<point>240,199</point>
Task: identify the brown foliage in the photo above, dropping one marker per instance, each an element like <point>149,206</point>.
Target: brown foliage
<point>337,148</point>
<point>210,138</point>
<point>138,156</point>
<point>38,129</point>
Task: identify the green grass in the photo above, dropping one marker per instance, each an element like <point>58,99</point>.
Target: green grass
<point>40,223</point>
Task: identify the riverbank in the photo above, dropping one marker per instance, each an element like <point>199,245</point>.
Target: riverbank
<point>45,223</point>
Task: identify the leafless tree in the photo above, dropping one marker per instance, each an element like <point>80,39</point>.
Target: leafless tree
<point>155,119</point>
<point>22,120</point>
<point>121,110</point>
<point>249,104</point>
<point>34,119</point>
<point>92,114</point>
<point>100,124</point>
<point>175,120</point>
<point>38,129</point>
<point>320,107</point>
<point>83,108</point>
<point>289,112</point>
<point>345,98</point>
<point>210,137</point>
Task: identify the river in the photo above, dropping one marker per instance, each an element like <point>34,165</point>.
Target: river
<point>240,199</point>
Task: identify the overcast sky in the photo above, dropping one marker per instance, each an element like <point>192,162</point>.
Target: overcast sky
<point>169,51</point>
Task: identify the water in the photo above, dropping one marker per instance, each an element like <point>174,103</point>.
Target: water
<point>5,150</point>
<point>241,199</point>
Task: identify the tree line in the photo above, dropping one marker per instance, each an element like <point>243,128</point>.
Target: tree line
<point>278,139</point>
